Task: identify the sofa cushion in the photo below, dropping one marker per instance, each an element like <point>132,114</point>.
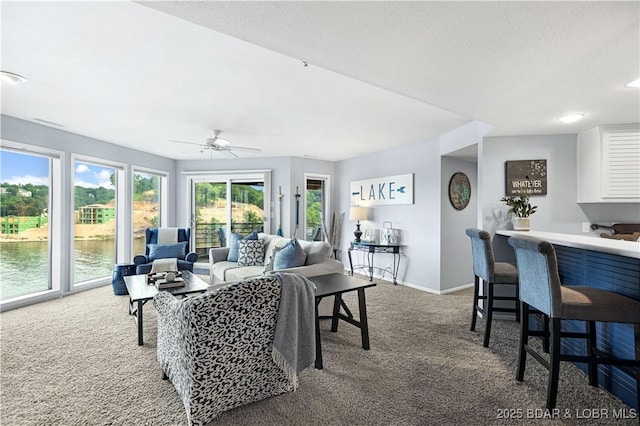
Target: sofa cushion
<point>241,274</point>
<point>289,256</point>
<point>167,251</point>
<point>250,252</point>
<point>317,251</point>
<point>220,269</point>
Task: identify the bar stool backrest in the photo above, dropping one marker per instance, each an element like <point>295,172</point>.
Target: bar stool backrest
<point>538,275</point>
<point>483,260</point>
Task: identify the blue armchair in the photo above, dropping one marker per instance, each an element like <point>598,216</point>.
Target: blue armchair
<point>153,250</point>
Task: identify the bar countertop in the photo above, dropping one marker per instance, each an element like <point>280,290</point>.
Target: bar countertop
<point>605,245</point>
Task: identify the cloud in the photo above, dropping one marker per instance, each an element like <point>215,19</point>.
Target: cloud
<point>22,180</point>
<point>82,168</point>
<point>104,174</point>
<point>83,183</point>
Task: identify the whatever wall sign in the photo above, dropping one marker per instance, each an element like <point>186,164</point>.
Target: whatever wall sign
<point>526,176</point>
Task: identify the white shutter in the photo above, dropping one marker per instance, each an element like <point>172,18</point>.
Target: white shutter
<point>621,162</point>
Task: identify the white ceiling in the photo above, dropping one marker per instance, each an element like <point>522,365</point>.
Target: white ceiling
<point>380,74</point>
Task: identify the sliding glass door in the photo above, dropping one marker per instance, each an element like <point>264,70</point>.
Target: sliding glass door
<point>210,202</point>
<point>222,204</point>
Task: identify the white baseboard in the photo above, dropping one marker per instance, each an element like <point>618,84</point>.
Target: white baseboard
<point>418,287</point>
<point>438,292</point>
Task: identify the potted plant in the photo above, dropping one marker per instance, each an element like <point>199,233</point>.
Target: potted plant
<point>521,209</point>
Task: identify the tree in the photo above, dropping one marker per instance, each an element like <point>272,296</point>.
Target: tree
<point>249,216</point>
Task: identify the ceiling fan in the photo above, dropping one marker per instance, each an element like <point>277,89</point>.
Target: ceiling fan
<point>217,143</point>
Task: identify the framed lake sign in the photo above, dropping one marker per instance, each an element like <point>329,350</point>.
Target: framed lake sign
<point>526,176</point>
<point>383,190</point>
<point>459,190</point>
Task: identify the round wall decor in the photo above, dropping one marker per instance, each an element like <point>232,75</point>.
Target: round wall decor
<point>459,190</point>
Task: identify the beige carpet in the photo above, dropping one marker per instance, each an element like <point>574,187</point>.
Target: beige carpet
<point>75,361</point>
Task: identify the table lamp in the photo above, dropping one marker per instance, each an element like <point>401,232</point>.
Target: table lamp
<point>358,214</point>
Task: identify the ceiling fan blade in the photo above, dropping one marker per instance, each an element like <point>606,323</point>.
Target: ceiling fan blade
<point>188,143</point>
<point>243,148</point>
<point>233,153</point>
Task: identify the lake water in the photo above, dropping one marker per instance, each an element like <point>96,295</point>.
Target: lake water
<point>24,266</point>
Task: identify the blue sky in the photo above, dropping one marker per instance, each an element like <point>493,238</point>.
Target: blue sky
<point>17,168</point>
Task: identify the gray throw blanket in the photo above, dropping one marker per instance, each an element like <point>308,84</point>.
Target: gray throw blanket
<point>294,342</point>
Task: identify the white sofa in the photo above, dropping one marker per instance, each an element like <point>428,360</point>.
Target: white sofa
<point>319,261</point>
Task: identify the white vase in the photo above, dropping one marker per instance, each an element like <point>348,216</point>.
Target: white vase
<point>521,223</point>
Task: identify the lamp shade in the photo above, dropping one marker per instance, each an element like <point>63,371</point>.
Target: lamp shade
<point>358,213</point>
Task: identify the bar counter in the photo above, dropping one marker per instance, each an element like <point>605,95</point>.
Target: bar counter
<point>596,262</point>
<point>603,245</point>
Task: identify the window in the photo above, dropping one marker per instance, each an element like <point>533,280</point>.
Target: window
<point>95,225</point>
<point>316,206</point>
<point>149,205</point>
<point>29,213</point>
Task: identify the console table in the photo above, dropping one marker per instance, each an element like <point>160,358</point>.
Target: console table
<point>371,249</point>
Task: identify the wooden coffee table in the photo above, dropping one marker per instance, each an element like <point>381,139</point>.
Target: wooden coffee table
<point>336,285</point>
<point>140,293</point>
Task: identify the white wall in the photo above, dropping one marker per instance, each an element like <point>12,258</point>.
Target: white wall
<point>558,211</point>
<point>456,264</point>
<point>419,223</point>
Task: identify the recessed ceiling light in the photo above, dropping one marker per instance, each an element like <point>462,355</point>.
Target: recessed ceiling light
<point>571,118</point>
<point>11,78</point>
<point>633,84</point>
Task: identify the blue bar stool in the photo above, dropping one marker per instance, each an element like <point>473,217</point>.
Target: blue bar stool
<point>541,289</point>
<point>492,273</point>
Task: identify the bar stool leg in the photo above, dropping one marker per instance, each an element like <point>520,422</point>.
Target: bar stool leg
<point>591,352</point>
<point>524,340</point>
<point>474,312</point>
<point>636,332</point>
<point>516,303</point>
<point>554,364</point>
<point>489,314</point>
<point>545,338</point>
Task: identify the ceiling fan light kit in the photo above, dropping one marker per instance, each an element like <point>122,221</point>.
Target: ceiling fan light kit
<point>216,143</point>
<point>12,78</point>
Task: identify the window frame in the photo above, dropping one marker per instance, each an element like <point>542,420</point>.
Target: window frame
<point>164,203</point>
<point>57,271</point>
<point>121,218</point>
<point>327,198</point>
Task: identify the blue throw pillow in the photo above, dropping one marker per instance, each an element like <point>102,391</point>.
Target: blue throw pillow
<point>289,256</point>
<point>234,248</point>
<point>167,251</point>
